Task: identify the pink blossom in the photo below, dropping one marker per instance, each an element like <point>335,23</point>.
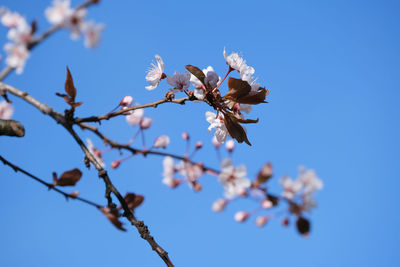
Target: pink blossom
<point>135,117</point>
<point>17,56</point>
<point>190,171</point>
<point>126,101</point>
<point>155,74</point>
<point>59,12</point>
<point>92,33</point>
<point>161,141</point>
<point>6,110</point>
<point>145,123</point>
<point>217,122</point>
<point>198,145</point>
<point>241,216</point>
<point>185,136</point>
<point>180,81</point>
<point>233,179</point>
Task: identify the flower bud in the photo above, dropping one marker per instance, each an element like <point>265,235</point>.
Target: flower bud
<point>230,145</point>
<point>145,123</point>
<point>241,216</point>
<point>74,194</point>
<point>267,204</point>
<point>115,164</point>
<point>197,187</point>
<point>126,101</point>
<point>285,222</point>
<point>161,141</point>
<point>199,145</point>
<point>261,221</point>
<point>219,205</point>
<point>185,136</point>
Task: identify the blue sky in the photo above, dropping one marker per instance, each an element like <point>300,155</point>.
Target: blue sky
<point>333,71</point>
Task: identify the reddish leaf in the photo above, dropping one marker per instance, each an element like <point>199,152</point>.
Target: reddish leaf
<point>113,216</point>
<point>133,200</point>
<point>68,178</point>
<point>303,226</point>
<point>69,86</point>
<point>237,89</point>
<point>254,97</point>
<point>273,199</point>
<point>198,73</point>
<point>235,130</point>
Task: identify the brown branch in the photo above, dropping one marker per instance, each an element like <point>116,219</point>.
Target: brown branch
<point>136,151</point>
<point>11,128</point>
<point>108,116</point>
<point>7,70</point>
<point>110,188</point>
<point>48,185</point>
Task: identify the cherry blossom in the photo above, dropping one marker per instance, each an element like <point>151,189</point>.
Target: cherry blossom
<point>180,81</point>
<point>126,101</point>
<point>92,33</point>
<point>290,187</point>
<point>230,145</point>
<point>135,117</point>
<point>236,62</point>
<point>17,56</point>
<point>155,74</point>
<point>215,142</point>
<point>266,204</point>
<point>6,110</point>
<point>11,19</point>
<point>75,23</point>
<point>211,78</point>
<point>310,180</point>
<point>168,172</point>
<point>59,12</point>
<point>161,141</point>
<point>22,34</point>
<point>145,123</point>
<point>190,171</point>
<point>217,122</point>
<point>233,179</point>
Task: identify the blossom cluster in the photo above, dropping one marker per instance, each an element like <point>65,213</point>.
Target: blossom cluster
<point>242,94</point>
<point>21,33</point>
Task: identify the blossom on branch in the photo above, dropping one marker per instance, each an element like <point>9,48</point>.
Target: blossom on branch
<point>155,74</point>
<point>17,56</point>
<point>180,81</point>
<point>236,62</point>
<point>92,33</point>
<point>217,122</point>
<point>233,179</point>
<point>59,12</point>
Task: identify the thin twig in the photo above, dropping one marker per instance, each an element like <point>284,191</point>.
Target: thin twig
<point>48,185</point>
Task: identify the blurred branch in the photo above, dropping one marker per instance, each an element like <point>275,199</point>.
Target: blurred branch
<point>48,185</point>
<point>7,70</point>
<point>124,111</point>
<point>11,128</point>
<point>61,119</point>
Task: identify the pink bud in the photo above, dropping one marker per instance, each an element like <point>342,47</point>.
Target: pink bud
<point>145,123</point>
<point>74,194</point>
<point>185,136</point>
<point>230,145</point>
<point>115,164</point>
<point>219,205</point>
<point>197,187</point>
<point>199,145</point>
<point>267,204</point>
<point>261,221</point>
<point>285,222</point>
<point>215,142</point>
<point>161,141</point>
<point>126,101</point>
<point>241,216</point>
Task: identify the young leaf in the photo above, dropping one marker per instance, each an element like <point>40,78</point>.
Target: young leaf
<point>133,200</point>
<point>235,130</point>
<point>68,178</point>
<point>265,173</point>
<point>254,97</point>
<point>69,86</point>
<point>198,73</point>
<point>237,89</point>
<point>113,216</point>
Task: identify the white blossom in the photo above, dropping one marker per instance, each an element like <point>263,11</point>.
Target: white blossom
<point>11,19</point>
<point>233,179</point>
<point>290,187</point>
<point>17,56</point>
<point>211,78</point>
<point>92,33</point>
<point>190,171</point>
<point>236,62</point>
<point>135,117</point>
<point>180,81</point>
<point>21,34</point>
<point>161,141</point>
<point>145,123</point>
<point>126,101</point>
<point>75,23</point>
<point>217,122</point>
<point>168,172</point>
<point>58,12</point>
<point>230,145</point>
<point>219,205</point>
<point>155,74</point>
<point>310,180</point>
<point>6,110</point>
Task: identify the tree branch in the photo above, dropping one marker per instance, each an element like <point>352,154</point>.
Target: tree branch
<point>11,128</point>
<point>48,185</point>
<point>124,111</point>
